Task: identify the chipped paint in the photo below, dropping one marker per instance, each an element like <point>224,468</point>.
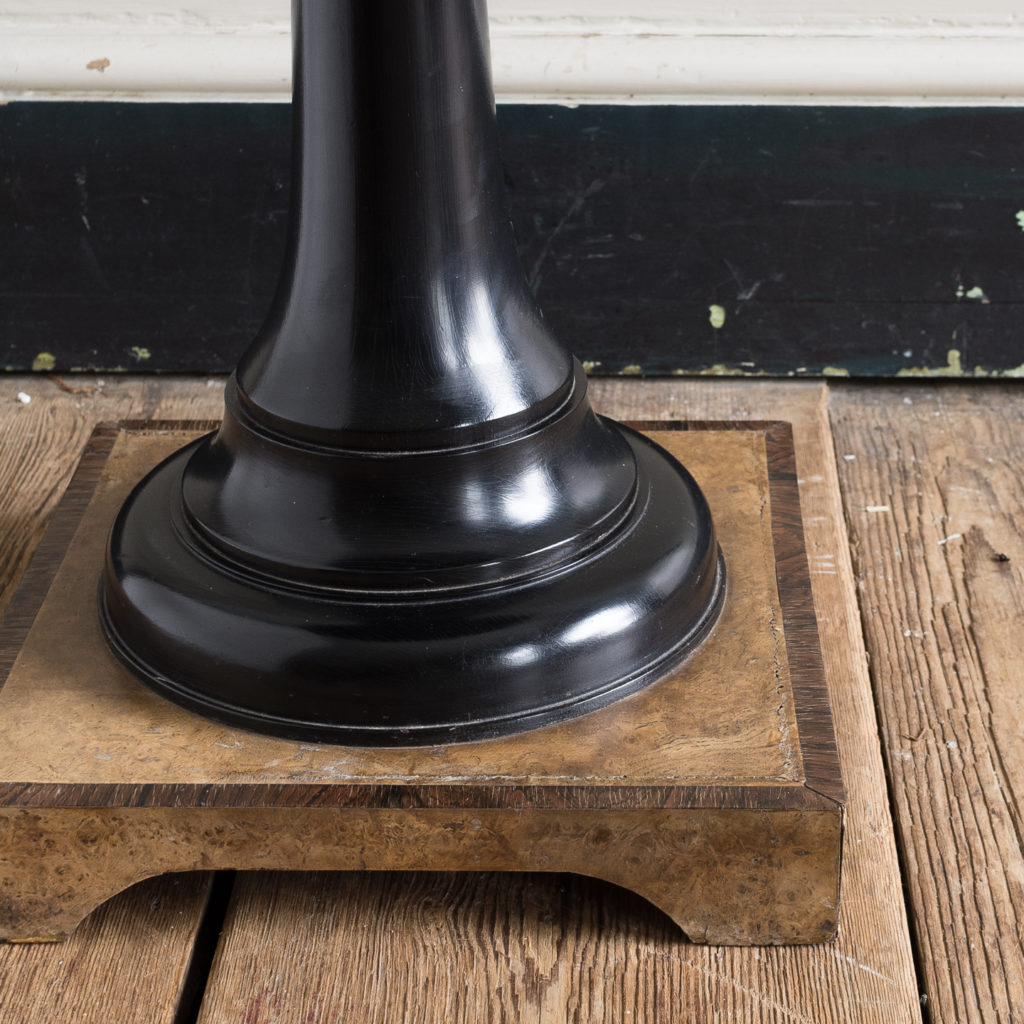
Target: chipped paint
<point>1011,371</point>
<point>725,370</point>
<point>716,316</point>
<point>23,398</point>
<point>140,354</point>
<point>953,368</point>
<point>44,362</point>
<point>100,65</point>
<point>976,294</point>
<point>718,370</point>
<point>1020,219</point>
<point>590,365</point>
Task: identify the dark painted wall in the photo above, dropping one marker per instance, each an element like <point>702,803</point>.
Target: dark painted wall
<point>658,239</point>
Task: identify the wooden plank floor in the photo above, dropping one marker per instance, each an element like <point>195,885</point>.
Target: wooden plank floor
<point>927,595</point>
<point>934,496</point>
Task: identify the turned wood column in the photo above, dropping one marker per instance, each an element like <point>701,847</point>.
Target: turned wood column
<point>411,527</point>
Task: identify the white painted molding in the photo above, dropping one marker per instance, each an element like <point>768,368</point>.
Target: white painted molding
<point>670,51</point>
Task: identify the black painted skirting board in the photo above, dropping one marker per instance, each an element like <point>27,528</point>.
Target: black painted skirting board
<point>664,239</point>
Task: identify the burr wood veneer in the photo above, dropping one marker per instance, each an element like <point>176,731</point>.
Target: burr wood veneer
<point>715,792</point>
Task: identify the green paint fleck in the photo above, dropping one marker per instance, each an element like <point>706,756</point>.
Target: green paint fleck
<point>716,315</point>
<point>140,353</point>
<point>723,370</point>
<point>633,370</point>
<point>953,368</point>
<point>590,365</point>
<point>974,293</point>
<point>1010,371</point>
<point>1020,219</point>
<point>835,371</point>
<point>44,362</point>
<point>718,370</point>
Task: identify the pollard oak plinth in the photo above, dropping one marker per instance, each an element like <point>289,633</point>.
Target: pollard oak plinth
<point>714,793</point>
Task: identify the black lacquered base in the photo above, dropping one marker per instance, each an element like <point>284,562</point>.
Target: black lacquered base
<point>427,667</point>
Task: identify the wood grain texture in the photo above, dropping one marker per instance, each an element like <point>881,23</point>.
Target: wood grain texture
<point>749,855</point>
<point>934,497</point>
<point>696,732</point>
<point>504,947</point>
<point>487,948</point>
<point>537,928</point>
<point>130,961</point>
<point>734,877</point>
<point>42,441</point>
<point>799,621</point>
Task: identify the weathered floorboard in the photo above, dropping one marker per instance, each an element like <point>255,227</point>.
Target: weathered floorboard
<point>128,962</point>
<point>502,947</point>
<point>933,489</point>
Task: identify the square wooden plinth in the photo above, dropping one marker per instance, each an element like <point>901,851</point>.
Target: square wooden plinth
<point>715,793</point>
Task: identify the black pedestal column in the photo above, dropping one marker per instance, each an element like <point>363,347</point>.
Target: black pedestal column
<point>411,527</point>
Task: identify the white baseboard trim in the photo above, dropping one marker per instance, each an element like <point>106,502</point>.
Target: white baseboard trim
<point>181,56</point>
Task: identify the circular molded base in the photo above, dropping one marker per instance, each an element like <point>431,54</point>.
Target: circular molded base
<point>429,667</point>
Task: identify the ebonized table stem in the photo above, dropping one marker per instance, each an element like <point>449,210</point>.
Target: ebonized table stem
<point>411,527</point>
